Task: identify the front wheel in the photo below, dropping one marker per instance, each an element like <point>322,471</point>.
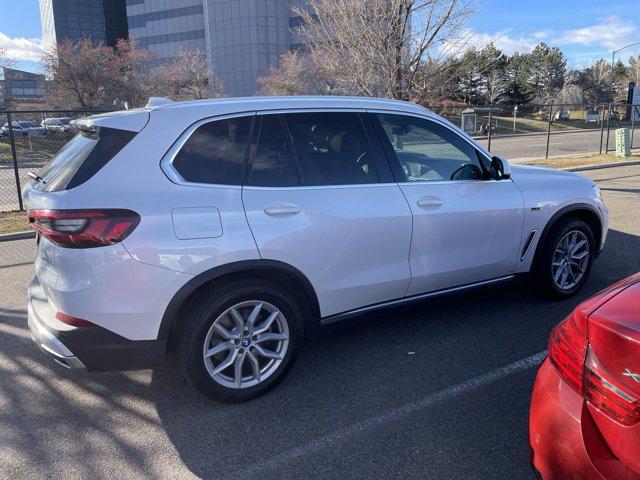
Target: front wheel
<point>565,260</point>
<point>239,340</point>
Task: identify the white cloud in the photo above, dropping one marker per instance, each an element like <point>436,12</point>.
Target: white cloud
<point>542,34</point>
<point>502,40</point>
<point>612,33</point>
<point>21,49</point>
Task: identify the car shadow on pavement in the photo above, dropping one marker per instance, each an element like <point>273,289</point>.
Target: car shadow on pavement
<point>54,421</point>
<point>378,363</point>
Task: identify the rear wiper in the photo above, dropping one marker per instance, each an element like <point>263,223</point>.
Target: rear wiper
<point>36,177</point>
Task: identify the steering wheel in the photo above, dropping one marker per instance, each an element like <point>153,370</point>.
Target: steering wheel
<point>458,173</point>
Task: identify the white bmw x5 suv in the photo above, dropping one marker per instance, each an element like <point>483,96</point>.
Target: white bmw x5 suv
<point>227,230</point>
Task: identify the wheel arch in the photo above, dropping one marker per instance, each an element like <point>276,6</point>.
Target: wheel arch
<point>277,272</point>
<point>583,211</point>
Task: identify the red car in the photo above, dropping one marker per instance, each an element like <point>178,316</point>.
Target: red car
<point>585,410</point>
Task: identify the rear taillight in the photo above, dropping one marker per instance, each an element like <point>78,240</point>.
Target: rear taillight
<point>567,351</point>
<point>609,395</point>
<point>570,354</point>
<point>84,228</point>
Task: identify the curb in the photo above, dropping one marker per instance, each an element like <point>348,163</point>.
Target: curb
<point>598,167</point>
<point>17,236</point>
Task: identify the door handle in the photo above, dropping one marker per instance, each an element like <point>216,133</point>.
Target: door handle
<point>282,209</point>
<point>425,202</point>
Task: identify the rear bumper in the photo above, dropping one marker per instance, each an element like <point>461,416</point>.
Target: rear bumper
<point>565,441</point>
<point>87,348</point>
<point>555,431</point>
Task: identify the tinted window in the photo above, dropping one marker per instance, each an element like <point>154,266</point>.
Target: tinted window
<point>273,164</point>
<point>428,151</point>
<point>332,148</point>
<point>82,158</point>
<point>215,152</point>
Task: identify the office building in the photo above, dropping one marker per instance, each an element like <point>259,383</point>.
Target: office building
<point>241,38</point>
<point>102,21</point>
<point>22,88</point>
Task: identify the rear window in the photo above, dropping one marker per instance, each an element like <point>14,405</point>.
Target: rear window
<point>82,158</point>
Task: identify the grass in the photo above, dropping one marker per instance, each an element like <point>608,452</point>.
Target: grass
<point>575,161</point>
<point>41,149</point>
<point>13,222</point>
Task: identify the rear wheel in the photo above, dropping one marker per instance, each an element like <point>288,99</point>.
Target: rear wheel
<point>566,257</point>
<point>239,340</point>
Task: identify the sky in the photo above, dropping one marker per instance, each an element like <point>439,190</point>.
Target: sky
<point>585,30</point>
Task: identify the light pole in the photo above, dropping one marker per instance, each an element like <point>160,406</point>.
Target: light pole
<point>613,59</point>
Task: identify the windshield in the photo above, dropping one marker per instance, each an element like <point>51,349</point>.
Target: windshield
<point>28,124</point>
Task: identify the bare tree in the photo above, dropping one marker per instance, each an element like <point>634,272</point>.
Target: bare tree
<point>131,80</point>
<point>80,74</point>
<point>5,61</point>
<point>570,93</point>
<point>188,78</point>
<point>295,75</point>
<point>384,48</point>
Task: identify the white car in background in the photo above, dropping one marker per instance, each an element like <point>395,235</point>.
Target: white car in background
<point>227,230</point>
<point>22,128</point>
<point>57,125</point>
<point>592,116</point>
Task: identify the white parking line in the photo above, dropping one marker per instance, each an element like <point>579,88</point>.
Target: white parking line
<point>393,415</point>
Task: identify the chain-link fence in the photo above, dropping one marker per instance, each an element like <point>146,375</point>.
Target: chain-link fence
<point>542,131</point>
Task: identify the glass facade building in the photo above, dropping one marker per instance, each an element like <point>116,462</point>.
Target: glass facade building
<point>102,21</point>
<point>241,38</point>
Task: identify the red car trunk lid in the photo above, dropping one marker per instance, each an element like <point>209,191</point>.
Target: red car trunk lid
<point>614,337</point>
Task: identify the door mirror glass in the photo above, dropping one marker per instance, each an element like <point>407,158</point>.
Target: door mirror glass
<point>500,168</point>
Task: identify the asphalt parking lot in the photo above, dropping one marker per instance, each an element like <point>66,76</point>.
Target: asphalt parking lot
<point>438,390</point>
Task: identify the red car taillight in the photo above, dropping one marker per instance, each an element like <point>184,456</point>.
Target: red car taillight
<point>567,351</point>
<point>84,228</point>
<point>578,366</point>
<point>609,395</point>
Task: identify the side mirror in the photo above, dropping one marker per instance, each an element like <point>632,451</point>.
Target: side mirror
<point>500,169</point>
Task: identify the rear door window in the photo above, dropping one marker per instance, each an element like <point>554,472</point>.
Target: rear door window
<point>215,152</point>
<point>273,164</point>
<point>82,158</point>
<point>332,148</point>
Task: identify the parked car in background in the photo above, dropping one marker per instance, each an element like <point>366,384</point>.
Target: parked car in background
<point>57,125</point>
<point>562,116</point>
<point>22,128</point>
<point>592,116</point>
<point>229,229</point>
<point>585,410</point>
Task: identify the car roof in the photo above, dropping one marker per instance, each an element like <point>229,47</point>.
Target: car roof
<point>186,113</point>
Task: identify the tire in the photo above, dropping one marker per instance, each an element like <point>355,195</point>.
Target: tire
<point>545,272</point>
<point>214,307</point>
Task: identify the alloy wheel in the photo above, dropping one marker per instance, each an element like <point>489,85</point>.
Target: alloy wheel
<point>570,260</point>
<point>246,344</point>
